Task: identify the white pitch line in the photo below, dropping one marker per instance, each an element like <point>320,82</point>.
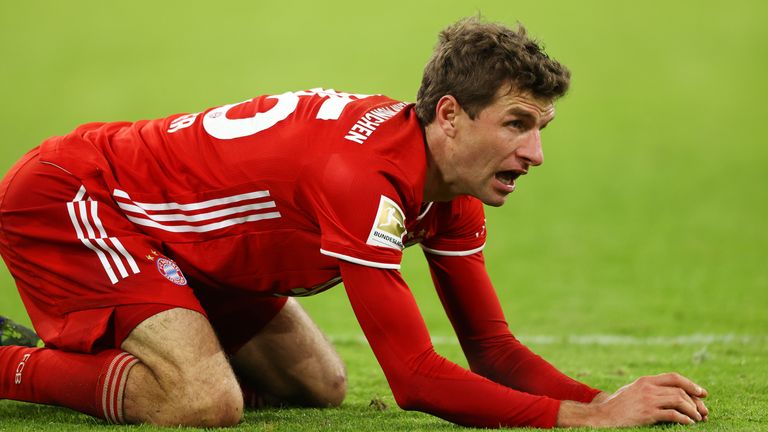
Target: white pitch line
<point>601,339</point>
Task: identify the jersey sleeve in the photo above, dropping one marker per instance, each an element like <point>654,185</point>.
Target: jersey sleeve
<point>359,205</point>
<point>460,228</point>
<point>421,379</point>
<point>473,307</point>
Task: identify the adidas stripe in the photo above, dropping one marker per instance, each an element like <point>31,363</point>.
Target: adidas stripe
<point>198,217</point>
<point>84,215</point>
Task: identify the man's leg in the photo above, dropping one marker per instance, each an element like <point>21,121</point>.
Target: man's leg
<point>184,377</point>
<point>83,270</point>
<point>170,371</point>
<point>290,361</point>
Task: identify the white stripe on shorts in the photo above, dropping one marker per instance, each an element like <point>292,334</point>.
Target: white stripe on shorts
<point>84,218</point>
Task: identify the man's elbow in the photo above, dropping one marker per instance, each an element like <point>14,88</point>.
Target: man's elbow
<point>407,400</point>
<point>409,397</point>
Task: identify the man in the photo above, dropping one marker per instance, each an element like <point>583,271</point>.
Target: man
<point>156,259</point>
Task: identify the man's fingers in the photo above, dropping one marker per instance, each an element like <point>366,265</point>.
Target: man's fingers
<point>674,416</point>
<point>677,380</point>
<point>652,399</point>
<point>680,401</point>
<point>703,410</point>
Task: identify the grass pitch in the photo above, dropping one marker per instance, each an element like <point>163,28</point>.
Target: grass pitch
<point>639,247</point>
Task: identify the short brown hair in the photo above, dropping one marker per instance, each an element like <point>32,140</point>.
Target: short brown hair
<point>473,59</point>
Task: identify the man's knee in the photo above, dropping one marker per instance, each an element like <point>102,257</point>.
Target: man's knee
<point>184,378</point>
<point>218,405</point>
<point>176,397</point>
<point>329,391</point>
<point>290,361</point>
<point>334,392</point>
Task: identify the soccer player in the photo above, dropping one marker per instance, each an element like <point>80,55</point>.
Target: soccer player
<point>157,259</point>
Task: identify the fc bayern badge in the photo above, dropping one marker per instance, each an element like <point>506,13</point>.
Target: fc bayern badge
<point>171,271</point>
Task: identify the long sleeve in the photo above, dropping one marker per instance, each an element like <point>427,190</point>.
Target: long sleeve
<point>492,351</point>
<point>421,379</point>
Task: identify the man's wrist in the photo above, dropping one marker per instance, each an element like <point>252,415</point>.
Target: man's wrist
<point>575,414</point>
<point>600,397</point>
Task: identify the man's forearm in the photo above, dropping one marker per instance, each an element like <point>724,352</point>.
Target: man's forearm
<point>601,397</point>
<point>576,414</point>
<point>505,360</point>
<point>475,312</point>
<point>421,379</point>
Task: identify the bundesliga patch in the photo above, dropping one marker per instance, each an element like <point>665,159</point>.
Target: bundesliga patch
<point>171,271</point>
<point>389,226</point>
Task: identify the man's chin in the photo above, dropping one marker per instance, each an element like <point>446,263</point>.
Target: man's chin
<point>496,200</point>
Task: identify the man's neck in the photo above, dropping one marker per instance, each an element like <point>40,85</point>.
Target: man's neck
<point>435,186</point>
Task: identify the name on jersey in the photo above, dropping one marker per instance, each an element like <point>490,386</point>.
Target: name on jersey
<point>388,226</point>
<point>366,126</point>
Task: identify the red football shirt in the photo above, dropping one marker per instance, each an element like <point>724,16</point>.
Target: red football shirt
<point>277,188</point>
<point>285,194</point>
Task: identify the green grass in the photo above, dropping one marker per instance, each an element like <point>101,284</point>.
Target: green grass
<point>649,218</point>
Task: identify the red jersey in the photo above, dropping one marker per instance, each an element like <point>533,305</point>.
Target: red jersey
<point>267,195</point>
<point>287,194</point>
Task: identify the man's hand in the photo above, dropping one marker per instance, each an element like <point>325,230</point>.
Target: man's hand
<point>669,398</point>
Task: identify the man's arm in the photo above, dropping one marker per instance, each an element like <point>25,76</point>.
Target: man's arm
<point>473,307</point>
<point>492,351</point>
<point>422,380</point>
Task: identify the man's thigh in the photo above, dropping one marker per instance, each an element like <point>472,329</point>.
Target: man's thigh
<point>176,338</point>
<point>183,372</point>
<point>290,361</point>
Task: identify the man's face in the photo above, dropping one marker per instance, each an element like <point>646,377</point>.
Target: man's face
<point>489,153</point>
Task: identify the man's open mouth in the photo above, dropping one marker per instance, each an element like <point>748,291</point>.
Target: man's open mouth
<point>507,177</point>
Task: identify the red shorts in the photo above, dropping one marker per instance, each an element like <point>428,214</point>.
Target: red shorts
<point>88,277</point>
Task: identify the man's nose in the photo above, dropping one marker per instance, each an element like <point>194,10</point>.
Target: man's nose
<point>531,149</point>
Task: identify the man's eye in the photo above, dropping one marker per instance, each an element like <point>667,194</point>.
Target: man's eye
<point>517,124</point>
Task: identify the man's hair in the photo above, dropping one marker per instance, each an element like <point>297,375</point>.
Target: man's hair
<point>473,59</point>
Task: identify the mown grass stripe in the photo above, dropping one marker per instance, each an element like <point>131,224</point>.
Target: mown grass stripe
<point>600,339</point>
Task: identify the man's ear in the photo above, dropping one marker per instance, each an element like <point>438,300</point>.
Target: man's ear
<point>445,114</point>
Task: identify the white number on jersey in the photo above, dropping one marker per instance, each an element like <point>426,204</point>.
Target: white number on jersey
<point>219,126</point>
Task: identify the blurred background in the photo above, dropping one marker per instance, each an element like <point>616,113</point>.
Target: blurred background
<point>649,217</point>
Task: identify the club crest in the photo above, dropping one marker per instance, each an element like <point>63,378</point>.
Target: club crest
<point>171,271</point>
